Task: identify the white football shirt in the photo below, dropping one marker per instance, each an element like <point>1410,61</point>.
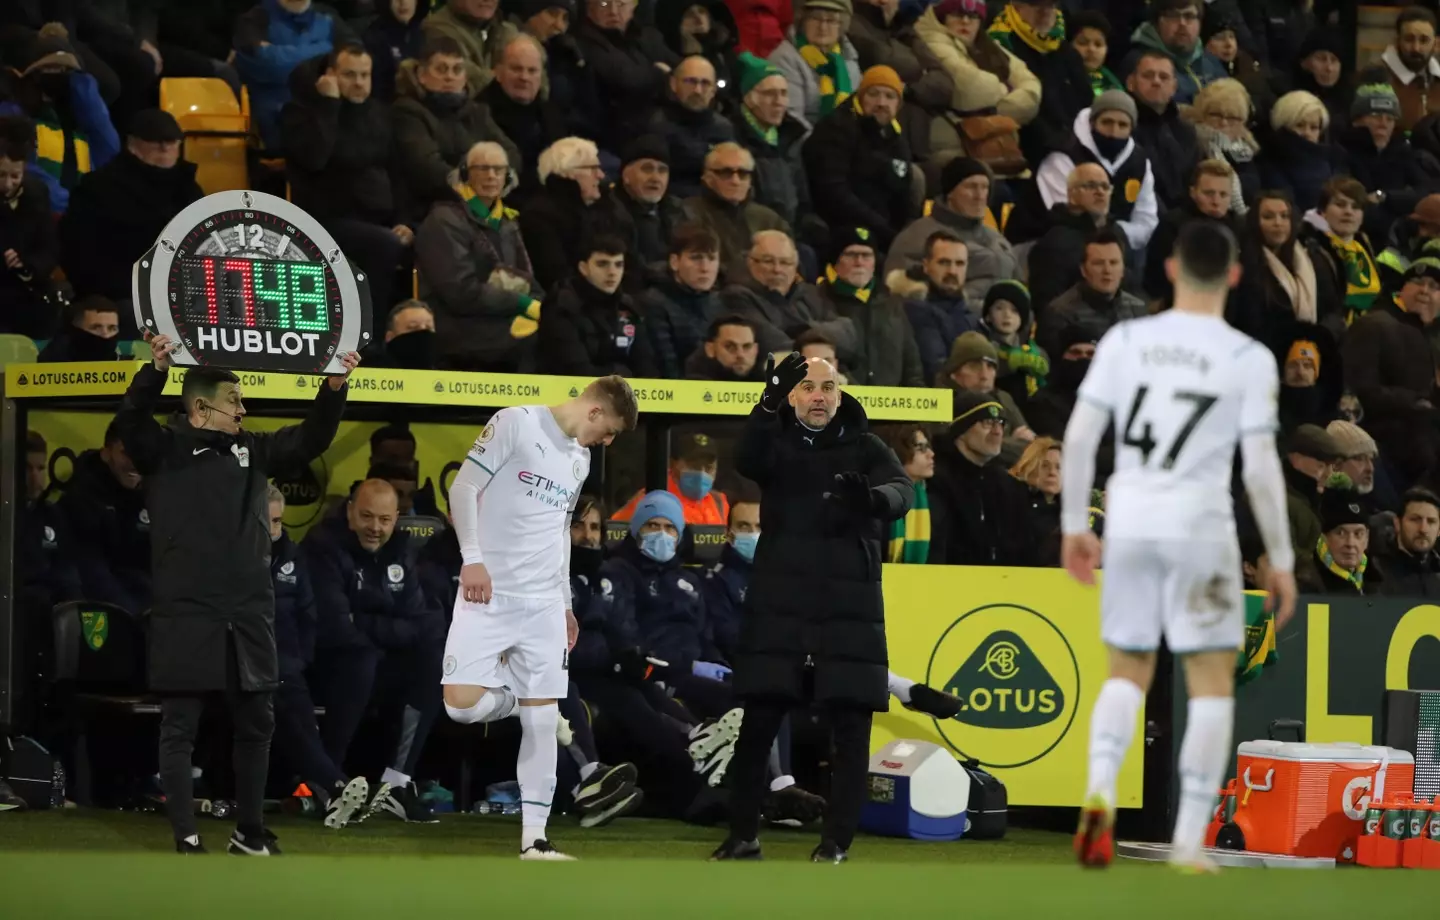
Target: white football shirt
<point>529,476</point>
<point>1182,390</point>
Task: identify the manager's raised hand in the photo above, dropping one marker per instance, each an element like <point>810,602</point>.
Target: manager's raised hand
<point>781,379</point>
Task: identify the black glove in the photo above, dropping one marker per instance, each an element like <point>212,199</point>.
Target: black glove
<point>853,491</point>
<point>781,379</point>
<point>631,663</point>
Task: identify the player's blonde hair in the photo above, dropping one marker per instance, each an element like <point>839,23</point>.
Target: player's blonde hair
<point>617,398</point>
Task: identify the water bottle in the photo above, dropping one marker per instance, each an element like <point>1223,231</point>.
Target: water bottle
<point>57,786</point>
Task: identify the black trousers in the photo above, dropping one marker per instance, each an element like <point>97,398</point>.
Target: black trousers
<point>297,736</point>
<point>649,735</point>
<point>849,769</point>
<point>254,721</point>
<point>348,680</point>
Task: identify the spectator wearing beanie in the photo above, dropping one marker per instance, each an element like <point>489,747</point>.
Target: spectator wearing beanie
<point>859,163</point>
<point>1390,366</point>
<point>1007,320</point>
<point>1379,155</point>
<point>820,65</point>
<point>979,513</point>
<point>688,123</point>
<point>887,355</point>
<point>644,193</point>
<point>965,185</point>
<point>622,54</point>
<point>1173,30</point>
<point>1297,157</point>
<point>727,209</point>
<point>1319,71</point>
<point>1103,136</point>
<point>393,36</point>
<point>518,104</point>
<point>1034,31</point>
<point>1341,554</point>
<point>1220,34</point>
<point>1310,376</point>
<point>765,127</point>
<point>1090,37</point>
<point>1410,67</point>
<point>985,75</point>
<point>973,367</point>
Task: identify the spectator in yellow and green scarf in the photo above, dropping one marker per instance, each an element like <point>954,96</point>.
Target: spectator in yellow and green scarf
<point>819,63</point>
<point>910,536</point>
<point>1090,36</point>
<point>1034,31</point>
<point>1345,568</point>
<point>1352,258</point>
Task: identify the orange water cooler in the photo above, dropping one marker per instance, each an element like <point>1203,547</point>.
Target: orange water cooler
<point>1297,799</point>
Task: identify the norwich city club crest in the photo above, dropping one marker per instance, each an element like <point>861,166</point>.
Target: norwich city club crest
<point>1017,680</point>
<point>96,626</point>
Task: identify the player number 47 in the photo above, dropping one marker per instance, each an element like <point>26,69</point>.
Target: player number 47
<point>1144,440</point>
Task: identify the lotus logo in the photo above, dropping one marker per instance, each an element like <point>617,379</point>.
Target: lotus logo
<point>1017,680</point>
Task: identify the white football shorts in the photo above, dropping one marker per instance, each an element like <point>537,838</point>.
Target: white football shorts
<point>515,642</point>
<point>1191,591</point>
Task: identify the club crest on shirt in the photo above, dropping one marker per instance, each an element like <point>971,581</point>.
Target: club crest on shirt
<point>579,472</point>
<point>287,573</point>
<point>450,664</point>
<point>685,586</point>
<point>49,540</point>
<point>242,454</point>
<point>606,588</point>
<point>396,573</point>
<point>144,519</point>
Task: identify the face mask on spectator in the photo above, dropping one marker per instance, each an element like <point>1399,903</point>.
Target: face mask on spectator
<point>585,560</point>
<point>1109,147</point>
<point>696,484</point>
<point>658,545</point>
<point>745,544</point>
<point>414,350</point>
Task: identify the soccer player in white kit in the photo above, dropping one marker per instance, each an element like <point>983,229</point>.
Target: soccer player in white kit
<point>510,639</point>
<point>1182,388</point>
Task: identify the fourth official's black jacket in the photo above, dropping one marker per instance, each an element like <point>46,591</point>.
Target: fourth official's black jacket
<point>814,596</point>
<point>210,536</point>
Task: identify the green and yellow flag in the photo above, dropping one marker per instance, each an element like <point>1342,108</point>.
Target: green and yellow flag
<point>1260,647</point>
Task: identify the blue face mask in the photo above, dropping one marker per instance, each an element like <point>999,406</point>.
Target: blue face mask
<point>658,545</point>
<point>696,484</point>
<point>745,544</point>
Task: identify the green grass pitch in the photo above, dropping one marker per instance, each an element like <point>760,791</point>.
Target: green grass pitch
<point>115,866</point>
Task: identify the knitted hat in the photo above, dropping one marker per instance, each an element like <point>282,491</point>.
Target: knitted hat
<point>1321,39</point>
<point>52,49</point>
<point>1114,100</point>
<point>753,70</point>
<point>973,408</point>
<point>659,504</point>
<point>1306,350</point>
<point>1352,439</point>
<point>970,346</point>
<point>1375,99</point>
<point>1013,291</point>
<point>532,8</point>
<point>1077,334</point>
<point>975,8</point>
<point>645,147</point>
<point>880,75</point>
<point>1339,507</point>
<point>1215,23</point>
<point>958,170</point>
<point>1428,267</point>
<point>841,238</point>
<point>1314,442</point>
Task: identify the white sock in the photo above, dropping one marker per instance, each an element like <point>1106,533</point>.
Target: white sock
<point>394,778</point>
<point>536,770</point>
<point>497,703</point>
<point>1112,728</point>
<point>587,770</point>
<point>900,686</point>
<point>1210,721</point>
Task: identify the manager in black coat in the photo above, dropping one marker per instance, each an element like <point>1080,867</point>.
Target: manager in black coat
<point>813,626</point>
<point>212,624</point>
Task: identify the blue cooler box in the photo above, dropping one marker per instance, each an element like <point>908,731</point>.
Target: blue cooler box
<point>917,789</point>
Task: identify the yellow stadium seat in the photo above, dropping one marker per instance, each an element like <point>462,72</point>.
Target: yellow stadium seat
<point>216,126</point>
<point>17,349</point>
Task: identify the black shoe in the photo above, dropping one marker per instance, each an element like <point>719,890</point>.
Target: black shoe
<point>828,852</point>
<point>185,847</point>
<point>253,843</point>
<point>793,807</point>
<point>606,786</point>
<point>733,850</point>
<point>933,702</point>
<point>627,804</point>
<point>403,802</point>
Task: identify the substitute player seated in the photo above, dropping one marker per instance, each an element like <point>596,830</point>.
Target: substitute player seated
<point>513,628</point>
<point>1182,388</point>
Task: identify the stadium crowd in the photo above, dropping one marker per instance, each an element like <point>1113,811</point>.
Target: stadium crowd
<point>949,194</point>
